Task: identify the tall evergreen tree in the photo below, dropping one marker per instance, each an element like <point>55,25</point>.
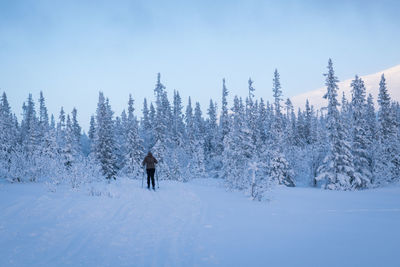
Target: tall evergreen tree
<point>280,170</point>
<point>336,171</point>
<point>52,122</point>
<point>277,90</point>
<point>212,140</point>
<point>189,120</point>
<point>388,162</point>
<point>43,115</point>
<point>69,151</point>
<point>371,118</point>
<point>8,138</point>
<point>178,125</point>
<point>146,129</point>
<point>104,144</point>
<point>198,122</point>
<point>92,128</point>
<point>29,127</point>
<point>134,144</point>
<point>224,123</point>
<point>360,144</point>
<point>308,124</point>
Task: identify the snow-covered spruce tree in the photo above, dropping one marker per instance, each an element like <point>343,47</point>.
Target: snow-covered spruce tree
<point>69,153</point>
<point>30,141</point>
<point>223,130</point>
<point>211,141</point>
<point>92,132</point>
<point>300,128</point>
<point>346,112</point>
<point>52,155</point>
<point>85,144</point>
<point>69,150</point>
<point>8,138</point>
<point>269,121</point>
<point>76,130</point>
<point>242,168</point>
<point>179,151</point>
<point>61,127</point>
<point>277,94</point>
<point>235,164</point>
<point>146,126</point>
<point>195,160</point>
<point>319,145</point>
<point>371,119</point>
<point>361,143</point>
<point>104,143</point>
<point>198,122</point>
<point>198,145</point>
<point>290,124</point>
<point>371,134</point>
<point>152,115</point>
<point>189,123</point>
<point>189,139</point>
<point>52,122</point>
<point>43,116</point>
<point>295,146</point>
<point>251,112</point>
<point>257,167</point>
<point>119,129</point>
<point>178,127</point>
<point>387,167</point>
<point>386,119</point>
<point>308,117</point>
<point>224,120</point>
<point>47,157</point>
<point>162,129</point>
<point>279,169</point>
<point>133,145</point>
<point>336,171</point>
<point>256,150</point>
<point>346,118</point>
<point>260,122</point>
<point>161,119</point>
<point>396,108</point>
<point>29,123</point>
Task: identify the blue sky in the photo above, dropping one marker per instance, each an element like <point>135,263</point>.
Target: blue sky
<point>72,49</point>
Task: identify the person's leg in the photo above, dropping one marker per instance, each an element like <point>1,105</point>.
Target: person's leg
<point>148,177</point>
<point>152,177</point>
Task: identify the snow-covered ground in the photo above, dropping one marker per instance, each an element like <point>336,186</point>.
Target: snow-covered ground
<point>196,224</point>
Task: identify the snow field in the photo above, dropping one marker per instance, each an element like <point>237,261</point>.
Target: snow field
<point>196,224</point>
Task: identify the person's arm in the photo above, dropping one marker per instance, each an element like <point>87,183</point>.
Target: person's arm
<point>144,161</point>
<point>155,160</point>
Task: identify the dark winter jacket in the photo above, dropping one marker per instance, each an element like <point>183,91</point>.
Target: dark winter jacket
<point>150,161</point>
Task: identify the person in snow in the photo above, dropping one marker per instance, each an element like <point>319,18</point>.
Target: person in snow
<point>150,162</point>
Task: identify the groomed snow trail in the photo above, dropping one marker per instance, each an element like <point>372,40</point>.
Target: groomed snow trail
<point>196,224</point>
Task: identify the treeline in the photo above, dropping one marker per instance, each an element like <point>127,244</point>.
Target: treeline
<point>252,145</point>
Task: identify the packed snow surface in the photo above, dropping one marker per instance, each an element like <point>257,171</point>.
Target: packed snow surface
<point>196,224</point>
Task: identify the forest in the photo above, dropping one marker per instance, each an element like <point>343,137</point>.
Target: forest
<point>252,144</point>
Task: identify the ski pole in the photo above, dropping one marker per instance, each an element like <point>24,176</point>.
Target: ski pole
<point>143,176</point>
<point>158,184</point>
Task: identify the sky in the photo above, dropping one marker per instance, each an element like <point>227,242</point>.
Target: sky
<point>71,50</point>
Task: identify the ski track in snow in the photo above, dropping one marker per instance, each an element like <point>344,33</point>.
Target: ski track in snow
<point>196,224</point>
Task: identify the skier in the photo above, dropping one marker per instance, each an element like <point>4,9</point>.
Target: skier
<point>150,162</point>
